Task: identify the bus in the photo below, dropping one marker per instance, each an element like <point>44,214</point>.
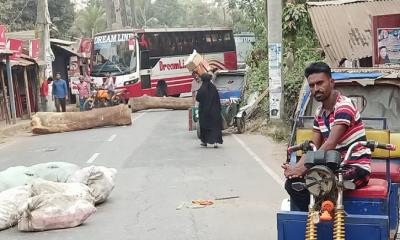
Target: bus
<point>138,59</point>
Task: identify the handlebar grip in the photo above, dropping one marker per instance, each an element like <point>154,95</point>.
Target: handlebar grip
<point>389,147</point>
<point>294,148</point>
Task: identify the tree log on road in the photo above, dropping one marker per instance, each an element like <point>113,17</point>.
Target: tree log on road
<point>147,102</point>
<point>51,122</point>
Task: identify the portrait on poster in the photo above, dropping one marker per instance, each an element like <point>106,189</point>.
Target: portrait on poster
<point>388,46</point>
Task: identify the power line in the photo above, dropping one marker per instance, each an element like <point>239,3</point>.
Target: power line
<point>20,13</point>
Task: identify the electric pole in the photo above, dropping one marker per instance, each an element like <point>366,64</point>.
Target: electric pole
<point>46,56</point>
<point>274,14</point>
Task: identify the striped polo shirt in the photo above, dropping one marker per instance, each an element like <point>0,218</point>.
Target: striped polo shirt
<point>347,114</point>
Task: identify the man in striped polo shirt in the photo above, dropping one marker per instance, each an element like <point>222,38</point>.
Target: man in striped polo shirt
<point>337,125</point>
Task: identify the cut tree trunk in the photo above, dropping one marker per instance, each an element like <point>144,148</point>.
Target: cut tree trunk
<point>147,102</point>
<point>51,122</point>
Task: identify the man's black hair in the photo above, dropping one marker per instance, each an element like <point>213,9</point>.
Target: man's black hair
<point>50,79</point>
<point>382,47</point>
<point>318,67</point>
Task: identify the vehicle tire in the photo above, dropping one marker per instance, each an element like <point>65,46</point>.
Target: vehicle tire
<point>241,125</point>
<point>88,104</point>
<point>198,129</point>
<point>176,95</point>
<point>117,100</point>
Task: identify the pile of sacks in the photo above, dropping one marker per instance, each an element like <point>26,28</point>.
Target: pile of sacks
<point>52,195</point>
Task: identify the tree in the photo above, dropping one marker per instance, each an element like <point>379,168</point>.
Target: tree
<point>90,20</point>
<point>62,15</point>
<point>18,14</point>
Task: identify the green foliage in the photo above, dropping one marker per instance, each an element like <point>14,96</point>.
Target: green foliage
<point>301,48</point>
<point>90,21</point>
<point>20,15</point>
<point>62,15</point>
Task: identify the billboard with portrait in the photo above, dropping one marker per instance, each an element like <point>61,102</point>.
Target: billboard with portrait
<point>388,51</point>
<point>386,39</point>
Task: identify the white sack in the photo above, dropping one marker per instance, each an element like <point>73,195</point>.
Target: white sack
<point>54,211</point>
<point>10,201</point>
<point>99,179</point>
<point>77,190</point>
<point>54,171</point>
<point>15,177</point>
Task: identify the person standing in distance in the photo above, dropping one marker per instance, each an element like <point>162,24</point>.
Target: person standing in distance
<point>60,93</point>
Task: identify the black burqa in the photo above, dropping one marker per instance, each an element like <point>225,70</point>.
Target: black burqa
<point>209,112</point>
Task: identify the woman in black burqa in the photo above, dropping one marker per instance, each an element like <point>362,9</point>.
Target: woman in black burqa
<point>209,112</point>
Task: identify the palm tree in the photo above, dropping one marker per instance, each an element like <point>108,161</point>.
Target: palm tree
<point>91,20</point>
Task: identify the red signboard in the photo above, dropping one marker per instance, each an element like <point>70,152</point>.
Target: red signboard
<point>34,48</point>
<point>386,39</point>
<point>86,47</point>
<point>16,46</point>
<point>3,39</point>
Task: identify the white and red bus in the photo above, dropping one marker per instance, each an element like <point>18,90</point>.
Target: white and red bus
<point>138,59</point>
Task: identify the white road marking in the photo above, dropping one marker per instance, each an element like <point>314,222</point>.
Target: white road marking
<point>111,138</point>
<point>92,158</point>
<point>140,115</point>
<point>267,169</point>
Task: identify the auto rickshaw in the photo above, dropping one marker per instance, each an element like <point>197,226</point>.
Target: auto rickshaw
<point>371,212</point>
<point>230,85</point>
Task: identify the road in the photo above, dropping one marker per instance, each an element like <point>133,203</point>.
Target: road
<point>161,166</point>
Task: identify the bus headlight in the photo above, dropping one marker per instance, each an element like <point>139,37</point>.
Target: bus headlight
<point>130,82</point>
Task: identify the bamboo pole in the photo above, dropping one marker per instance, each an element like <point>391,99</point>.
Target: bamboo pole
<point>28,101</point>
<point>3,82</point>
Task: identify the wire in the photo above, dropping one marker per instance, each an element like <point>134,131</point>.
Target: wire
<point>20,13</point>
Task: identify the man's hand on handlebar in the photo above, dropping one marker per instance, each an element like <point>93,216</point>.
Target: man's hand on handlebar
<point>293,171</point>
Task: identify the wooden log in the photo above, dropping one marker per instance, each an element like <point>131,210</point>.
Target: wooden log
<point>52,122</point>
<point>147,102</point>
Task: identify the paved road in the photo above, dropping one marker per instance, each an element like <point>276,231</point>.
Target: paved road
<point>160,166</point>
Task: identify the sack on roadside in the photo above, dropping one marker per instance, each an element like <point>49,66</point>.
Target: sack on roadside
<point>77,190</point>
<point>54,171</point>
<point>10,201</point>
<point>101,181</point>
<point>53,211</point>
<point>15,177</point>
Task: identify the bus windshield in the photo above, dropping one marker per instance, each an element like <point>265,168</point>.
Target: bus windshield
<point>112,54</point>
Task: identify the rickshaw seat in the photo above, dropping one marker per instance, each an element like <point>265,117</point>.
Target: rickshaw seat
<point>395,139</point>
<point>378,169</point>
<point>376,188</point>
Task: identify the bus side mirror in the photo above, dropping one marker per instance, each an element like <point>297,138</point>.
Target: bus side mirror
<point>144,59</point>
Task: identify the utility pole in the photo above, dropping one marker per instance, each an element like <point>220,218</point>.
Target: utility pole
<point>46,56</point>
<point>274,14</point>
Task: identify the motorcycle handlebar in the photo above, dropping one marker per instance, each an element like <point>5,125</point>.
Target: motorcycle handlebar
<point>373,144</point>
<point>306,146</point>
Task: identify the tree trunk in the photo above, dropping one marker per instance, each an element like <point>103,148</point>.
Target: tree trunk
<point>146,102</point>
<point>51,122</point>
<point>108,6</point>
<point>133,14</point>
<point>124,16</point>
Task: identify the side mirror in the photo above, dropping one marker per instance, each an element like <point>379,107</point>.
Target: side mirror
<point>144,59</point>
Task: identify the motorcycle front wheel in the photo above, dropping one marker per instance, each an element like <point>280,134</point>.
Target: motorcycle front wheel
<point>88,104</point>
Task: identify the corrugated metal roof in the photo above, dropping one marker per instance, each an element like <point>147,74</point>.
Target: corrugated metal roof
<point>344,27</point>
